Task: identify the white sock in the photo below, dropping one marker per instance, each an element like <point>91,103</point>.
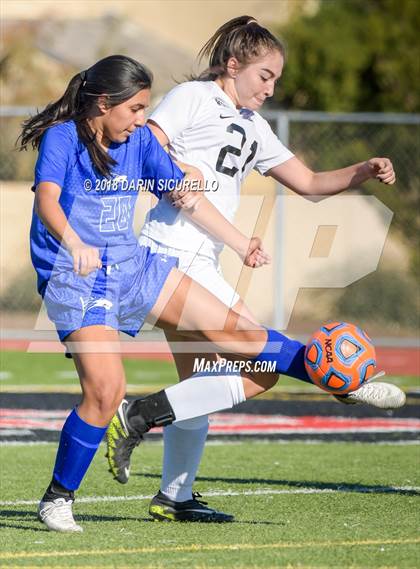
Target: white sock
<point>182,451</point>
<point>202,395</point>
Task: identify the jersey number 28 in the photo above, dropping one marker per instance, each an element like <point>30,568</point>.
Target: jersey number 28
<point>115,214</point>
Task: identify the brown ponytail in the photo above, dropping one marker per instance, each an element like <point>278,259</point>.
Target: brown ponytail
<point>242,38</point>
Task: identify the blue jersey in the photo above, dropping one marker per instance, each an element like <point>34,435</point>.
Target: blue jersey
<point>100,210</point>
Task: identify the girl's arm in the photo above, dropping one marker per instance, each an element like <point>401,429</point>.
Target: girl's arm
<point>203,213</point>
<point>158,132</point>
<point>298,177</point>
<point>85,258</point>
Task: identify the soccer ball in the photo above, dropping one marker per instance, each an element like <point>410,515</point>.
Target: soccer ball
<point>340,357</point>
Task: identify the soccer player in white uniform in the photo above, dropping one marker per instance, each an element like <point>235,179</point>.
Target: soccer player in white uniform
<point>213,123</point>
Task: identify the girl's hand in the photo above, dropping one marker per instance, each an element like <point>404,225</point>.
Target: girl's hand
<point>190,190</point>
<point>256,256</point>
<point>186,199</point>
<point>381,169</point>
<point>85,258</point>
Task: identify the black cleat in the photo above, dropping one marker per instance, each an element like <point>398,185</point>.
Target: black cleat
<point>164,509</point>
<point>120,442</point>
<point>129,424</point>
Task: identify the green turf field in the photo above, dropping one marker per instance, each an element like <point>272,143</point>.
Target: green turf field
<point>30,371</point>
<point>352,519</point>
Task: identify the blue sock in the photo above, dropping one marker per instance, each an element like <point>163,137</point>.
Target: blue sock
<point>288,355</point>
<point>79,442</point>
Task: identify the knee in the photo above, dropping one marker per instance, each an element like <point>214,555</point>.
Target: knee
<point>265,381</point>
<point>270,380</point>
<point>105,396</point>
<point>193,424</point>
<point>108,402</point>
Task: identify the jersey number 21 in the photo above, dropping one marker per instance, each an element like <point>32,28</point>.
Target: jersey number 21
<point>229,149</point>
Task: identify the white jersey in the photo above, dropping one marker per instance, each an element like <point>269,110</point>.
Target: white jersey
<point>205,129</point>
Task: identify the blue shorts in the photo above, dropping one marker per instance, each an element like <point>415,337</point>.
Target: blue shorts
<point>120,296</point>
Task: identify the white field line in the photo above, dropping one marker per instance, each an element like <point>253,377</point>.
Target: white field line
<point>4,375</point>
<point>262,492</point>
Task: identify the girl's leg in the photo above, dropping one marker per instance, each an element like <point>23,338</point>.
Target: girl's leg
<point>187,307</point>
<point>254,384</point>
<point>184,441</point>
<point>185,304</point>
<point>101,373</point>
<point>103,386</point>
<point>201,316</point>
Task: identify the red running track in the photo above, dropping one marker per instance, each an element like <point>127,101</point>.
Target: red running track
<point>230,424</point>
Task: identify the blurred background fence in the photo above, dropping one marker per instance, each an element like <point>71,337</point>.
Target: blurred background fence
<point>324,141</point>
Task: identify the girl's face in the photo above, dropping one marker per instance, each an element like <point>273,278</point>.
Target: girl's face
<point>254,82</point>
<point>119,122</point>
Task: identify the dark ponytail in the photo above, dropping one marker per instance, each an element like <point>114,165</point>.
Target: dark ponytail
<point>242,38</point>
<point>116,77</point>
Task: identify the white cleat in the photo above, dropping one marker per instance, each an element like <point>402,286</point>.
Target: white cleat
<point>377,394</point>
<point>57,515</point>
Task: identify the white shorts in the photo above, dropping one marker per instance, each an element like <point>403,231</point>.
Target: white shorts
<point>204,270</point>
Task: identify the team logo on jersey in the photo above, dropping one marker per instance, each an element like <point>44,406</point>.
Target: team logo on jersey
<point>119,179</point>
<point>90,303</point>
<point>221,102</point>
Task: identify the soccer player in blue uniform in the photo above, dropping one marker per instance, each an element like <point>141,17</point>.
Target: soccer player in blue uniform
<point>94,277</point>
